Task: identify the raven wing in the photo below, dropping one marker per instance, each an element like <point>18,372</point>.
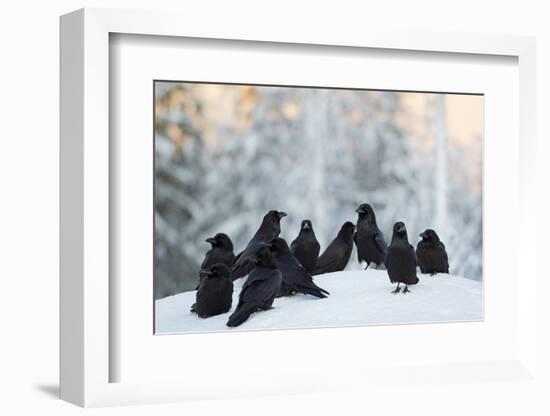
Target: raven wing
<point>293,271</point>
<point>380,242</point>
<point>242,266</point>
<point>332,255</point>
<point>237,257</point>
<point>357,246</point>
<point>261,285</point>
<point>294,244</point>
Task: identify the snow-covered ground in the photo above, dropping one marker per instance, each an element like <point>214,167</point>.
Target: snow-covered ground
<point>356,298</point>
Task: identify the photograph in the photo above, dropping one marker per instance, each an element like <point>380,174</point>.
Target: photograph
<point>295,207</point>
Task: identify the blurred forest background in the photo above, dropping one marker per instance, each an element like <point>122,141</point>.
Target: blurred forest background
<point>226,154</point>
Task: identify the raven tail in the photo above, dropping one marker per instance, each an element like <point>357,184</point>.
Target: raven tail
<point>241,314</point>
<point>314,291</point>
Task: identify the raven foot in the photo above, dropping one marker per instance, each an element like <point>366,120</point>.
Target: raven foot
<point>406,290</point>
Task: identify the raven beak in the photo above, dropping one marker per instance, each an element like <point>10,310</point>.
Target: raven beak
<point>282,214</point>
<point>423,235</point>
<point>205,273</point>
<point>360,210</point>
<point>400,229</point>
<point>211,240</point>
<point>306,226</point>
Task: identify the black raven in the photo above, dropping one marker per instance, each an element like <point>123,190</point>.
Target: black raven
<point>260,289</point>
<point>431,254</point>
<point>215,292</point>
<point>306,247</point>
<point>401,259</point>
<point>270,228</point>
<point>295,277</point>
<point>336,255</point>
<point>221,251</point>
<point>371,246</point>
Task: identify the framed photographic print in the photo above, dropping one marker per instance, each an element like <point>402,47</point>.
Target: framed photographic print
<point>230,196</point>
<point>227,155</point>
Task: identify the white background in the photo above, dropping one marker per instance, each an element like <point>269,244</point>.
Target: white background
<point>29,208</point>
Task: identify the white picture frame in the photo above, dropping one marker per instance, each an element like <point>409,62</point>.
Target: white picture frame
<point>86,306</point>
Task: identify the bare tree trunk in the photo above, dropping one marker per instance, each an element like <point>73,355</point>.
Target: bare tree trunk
<point>315,132</point>
<point>440,174</point>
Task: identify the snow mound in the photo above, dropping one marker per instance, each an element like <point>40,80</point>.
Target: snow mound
<point>356,298</point>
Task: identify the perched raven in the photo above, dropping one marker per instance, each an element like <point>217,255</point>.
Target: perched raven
<point>270,228</point>
<point>306,247</point>
<point>431,254</point>
<point>371,246</point>
<point>295,277</point>
<point>336,255</point>
<point>221,252</point>
<point>260,289</point>
<point>401,259</point>
<point>215,292</point>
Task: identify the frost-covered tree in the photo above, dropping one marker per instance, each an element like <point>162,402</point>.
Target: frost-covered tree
<point>440,171</point>
<point>179,161</point>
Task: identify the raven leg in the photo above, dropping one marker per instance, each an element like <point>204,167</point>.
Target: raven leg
<point>367,266</point>
<point>406,290</point>
<point>397,290</point>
